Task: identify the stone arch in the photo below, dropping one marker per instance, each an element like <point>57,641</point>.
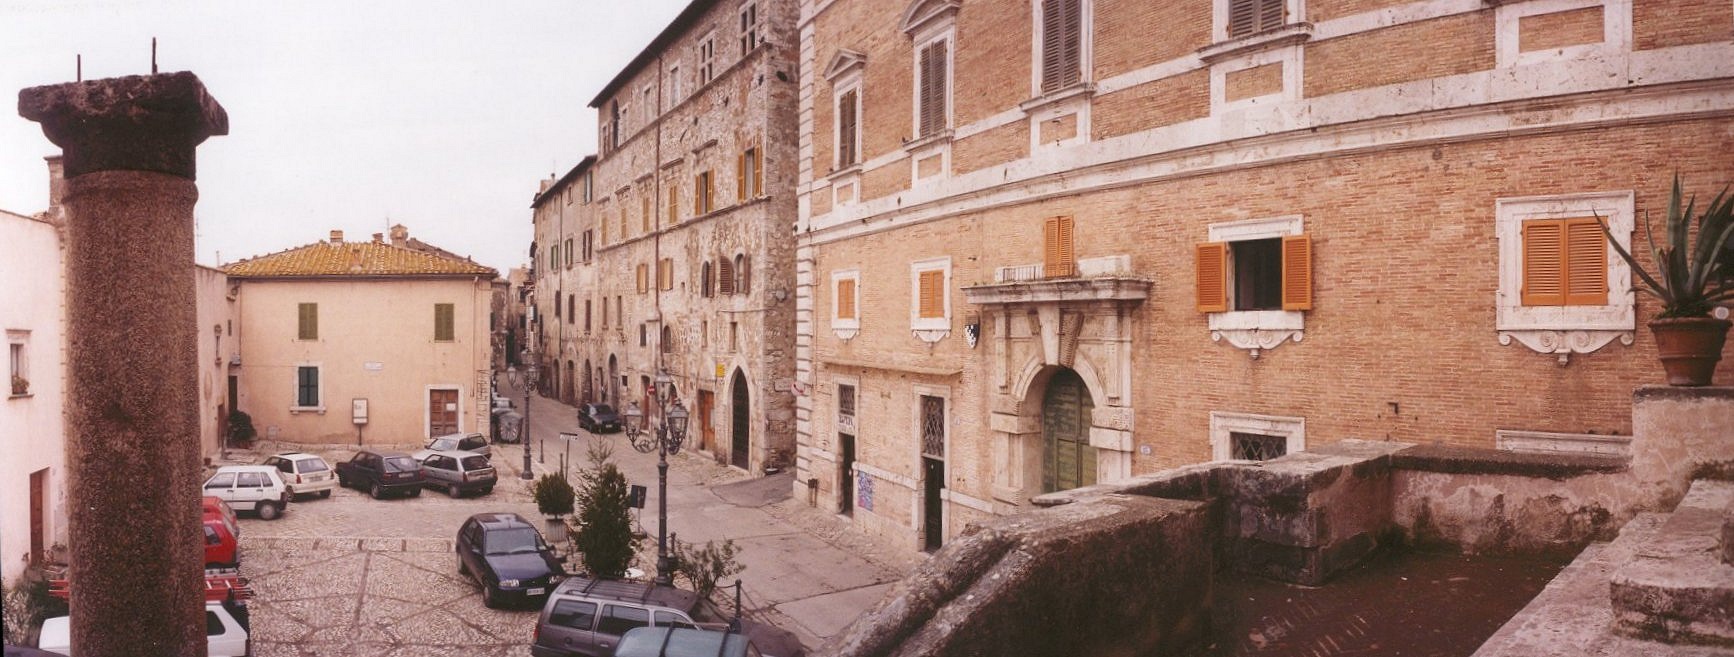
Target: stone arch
<point>740,419</point>
<point>1033,377</point>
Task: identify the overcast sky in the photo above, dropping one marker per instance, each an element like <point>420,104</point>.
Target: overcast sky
<point>346,114</point>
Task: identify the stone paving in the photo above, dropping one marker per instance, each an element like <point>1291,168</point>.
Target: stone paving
<point>350,575</point>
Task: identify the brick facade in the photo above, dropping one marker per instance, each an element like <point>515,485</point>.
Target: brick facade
<point>1385,133</point>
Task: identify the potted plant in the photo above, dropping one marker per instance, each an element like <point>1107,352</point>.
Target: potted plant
<point>20,385</point>
<point>1690,280</point>
<point>554,497</point>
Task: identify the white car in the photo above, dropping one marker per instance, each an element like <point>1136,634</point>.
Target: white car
<point>305,474</point>
<point>225,635</point>
<point>459,442</point>
<point>256,488</point>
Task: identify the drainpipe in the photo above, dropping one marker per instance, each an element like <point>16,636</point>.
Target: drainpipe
<point>133,393</point>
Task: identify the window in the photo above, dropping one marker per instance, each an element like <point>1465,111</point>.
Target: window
<point>749,27</point>
<point>846,400</point>
<point>589,187</point>
<point>308,327</point>
<point>1255,274</point>
<point>848,135</point>
<point>726,276</point>
<point>1255,437</point>
<point>1058,255</point>
<point>1256,447</point>
<point>554,255</point>
<point>707,287</point>
<point>702,189</point>
<point>1247,17</point>
<point>616,620</point>
<point>569,255</point>
<point>589,246</point>
<point>673,204</point>
<point>749,178</point>
<point>604,312</point>
<point>704,332</point>
<point>672,619</point>
<point>20,368</point>
<point>846,299</point>
<point>845,303</point>
<point>623,218</point>
<point>665,274</point>
<point>573,614</point>
<point>586,315</point>
<point>619,311</point>
<point>933,80</point>
<point>307,386</point>
<point>1557,275</point>
<point>443,321</point>
<point>933,426</point>
<point>643,335</point>
<point>645,216</point>
<point>571,308</point>
<point>667,339</point>
<point>673,84</point>
<point>1062,36</point>
<point>930,298</point>
<point>742,274</point>
<point>611,135</point>
<point>558,307</point>
<point>221,480</point>
<point>706,63</point>
<point>932,294</point>
<point>643,278</point>
<point>734,336</point>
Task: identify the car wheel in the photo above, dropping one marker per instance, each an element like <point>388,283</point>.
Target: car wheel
<point>463,568</point>
<point>453,491</point>
<point>488,599</point>
<point>268,511</point>
<point>377,492</point>
<point>325,494</point>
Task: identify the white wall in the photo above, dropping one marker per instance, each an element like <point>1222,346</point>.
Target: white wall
<point>32,430</point>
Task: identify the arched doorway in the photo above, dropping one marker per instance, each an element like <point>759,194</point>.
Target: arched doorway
<point>589,382</point>
<point>554,381</point>
<point>741,427</point>
<point>608,386</point>
<point>1068,460</point>
<point>571,381</point>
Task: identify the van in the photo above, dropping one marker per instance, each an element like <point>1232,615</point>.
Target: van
<point>684,642</point>
<point>587,617</point>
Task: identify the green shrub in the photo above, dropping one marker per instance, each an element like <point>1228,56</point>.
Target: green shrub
<point>703,567</point>
<point>553,495</point>
<point>603,532</point>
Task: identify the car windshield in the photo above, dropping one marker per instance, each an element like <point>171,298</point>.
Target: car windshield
<point>517,540</point>
<point>400,464</point>
<point>476,463</point>
<point>443,444</point>
<point>604,409</point>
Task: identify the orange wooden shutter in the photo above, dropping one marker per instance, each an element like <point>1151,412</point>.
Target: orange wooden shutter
<point>649,217</point>
<point>1543,263</point>
<point>759,171</point>
<point>1212,274</point>
<point>741,176</point>
<point>673,204</point>
<point>726,276</point>
<point>1058,258</point>
<point>643,276</point>
<point>846,299</point>
<point>709,191</point>
<point>932,294</point>
<point>698,195</point>
<point>1297,272</point>
<point>1586,263</point>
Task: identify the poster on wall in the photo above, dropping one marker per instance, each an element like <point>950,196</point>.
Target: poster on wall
<point>864,491</point>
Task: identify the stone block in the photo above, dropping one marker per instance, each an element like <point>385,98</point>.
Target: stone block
<point>1677,589</point>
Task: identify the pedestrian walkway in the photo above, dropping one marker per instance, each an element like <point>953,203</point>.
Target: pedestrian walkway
<point>806,570</point>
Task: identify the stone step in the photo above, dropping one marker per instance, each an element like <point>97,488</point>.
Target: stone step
<point>1678,587</point>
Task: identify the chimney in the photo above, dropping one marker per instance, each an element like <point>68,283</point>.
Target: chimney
<point>399,235</point>
<point>56,186</point>
<point>337,237</point>
<point>379,238</point>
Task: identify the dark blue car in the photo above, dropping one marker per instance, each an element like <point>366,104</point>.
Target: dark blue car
<point>598,418</point>
<point>508,557</point>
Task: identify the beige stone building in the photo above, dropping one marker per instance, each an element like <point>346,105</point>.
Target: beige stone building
<point>673,248</point>
<point>335,331</point>
<point>1049,243</point>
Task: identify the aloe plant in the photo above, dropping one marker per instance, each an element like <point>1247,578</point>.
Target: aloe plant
<point>1690,280</point>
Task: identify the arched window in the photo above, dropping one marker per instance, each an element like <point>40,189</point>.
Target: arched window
<point>743,280</point>
<point>667,339</point>
<point>705,283</point>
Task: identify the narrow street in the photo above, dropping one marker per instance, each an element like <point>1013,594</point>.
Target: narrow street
<point>351,575</point>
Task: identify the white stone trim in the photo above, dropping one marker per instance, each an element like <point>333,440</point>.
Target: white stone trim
<point>1086,44</point>
<point>1257,331</point>
<point>1547,442</point>
<point>1294,12</point>
<point>881,474</point>
<point>1616,31</point>
<point>1076,101</point>
<point>930,329</point>
<point>1564,330</point>
<point>1289,57</point>
<point>1223,423</point>
<point>295,388</point>
<point>845,329</point>
<point>962,499</point>
<point>923,147</point>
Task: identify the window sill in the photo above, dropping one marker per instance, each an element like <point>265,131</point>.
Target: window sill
<point>293,410</point>
<point>937,139</point>
<point>1257,330</point>
<point>846,329</point>
<point>1080,90</point>
<point>21,395</point>
<point>1287,35</point>
<point>845,172</point>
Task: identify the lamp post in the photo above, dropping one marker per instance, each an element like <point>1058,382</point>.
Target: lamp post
<point>525,380</point>
<point>666,440</point>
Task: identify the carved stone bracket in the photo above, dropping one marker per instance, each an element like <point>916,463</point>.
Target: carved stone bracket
<point>1256,340</point>
<point>931,336</point>
<point>847,334</point>
<point>1565,343</point>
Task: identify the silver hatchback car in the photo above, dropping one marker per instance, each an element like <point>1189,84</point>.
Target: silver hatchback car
<point>458,472</point>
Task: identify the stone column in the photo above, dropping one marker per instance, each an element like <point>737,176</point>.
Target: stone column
<point>137,550</point>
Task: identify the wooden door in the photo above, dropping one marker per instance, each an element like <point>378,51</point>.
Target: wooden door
<point>38,514</point>
<point>706,429</point>
<point>742,424</point>
<point>442,412</point>
<point>933,508</point>
<point>1070,461</point>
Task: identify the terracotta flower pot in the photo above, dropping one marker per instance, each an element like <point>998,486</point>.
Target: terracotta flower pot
<point>1690,347</point>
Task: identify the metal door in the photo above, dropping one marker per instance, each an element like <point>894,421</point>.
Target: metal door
<point>442,412</point>
<point>742,422</point>
<point>933,516</point>
<point>1070,461</point>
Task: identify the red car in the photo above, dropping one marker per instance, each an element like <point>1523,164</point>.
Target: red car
<point>222,535</point>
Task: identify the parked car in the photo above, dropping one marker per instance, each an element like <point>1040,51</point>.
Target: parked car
<point>586,617</point>
<point>507,556</point>
<point>255,488</point>
<point>598,418</point>
<point>226,630</point>
<point>381,473</point>
<point>222,535</point>
<point>466,442</point>
<point>458,472</point>
<point>304,473</point>
<point>684,642</point>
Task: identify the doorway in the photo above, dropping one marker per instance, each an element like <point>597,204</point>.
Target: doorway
<point>38,514</point>
<point>706,429</point>
<point>846,475</point>
<point>742,424</point>
<point>1069,461</point>
<point>442,412</point>
<point>933,508</point>
<point>589,383</point>
<point>609,393</point>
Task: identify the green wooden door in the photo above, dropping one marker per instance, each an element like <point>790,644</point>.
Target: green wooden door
<point>1070,461</point>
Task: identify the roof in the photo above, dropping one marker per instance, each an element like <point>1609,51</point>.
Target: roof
<point>563,181</point>
<point>362,259</point>
<point>686,19</point>
<point>500,520</point>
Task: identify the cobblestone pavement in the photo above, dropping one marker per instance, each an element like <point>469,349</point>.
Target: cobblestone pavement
<point>350,575</point>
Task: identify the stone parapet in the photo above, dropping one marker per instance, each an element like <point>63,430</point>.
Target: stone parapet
<point>1678,589</point>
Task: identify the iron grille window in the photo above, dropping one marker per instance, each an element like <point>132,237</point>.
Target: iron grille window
<point>1256,447</point>
<point>845,400</point>
<point>933,426</point>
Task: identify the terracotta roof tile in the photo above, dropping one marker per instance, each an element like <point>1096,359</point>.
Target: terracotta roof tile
<point>354,259</point>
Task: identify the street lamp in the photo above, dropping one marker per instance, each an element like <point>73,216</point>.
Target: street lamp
<point>666,440</point>
<point>524,380</point>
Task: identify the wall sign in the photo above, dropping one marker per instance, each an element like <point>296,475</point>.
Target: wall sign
<point>358,410</point>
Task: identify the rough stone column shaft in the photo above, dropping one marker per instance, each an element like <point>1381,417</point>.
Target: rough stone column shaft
<point>137,550</point>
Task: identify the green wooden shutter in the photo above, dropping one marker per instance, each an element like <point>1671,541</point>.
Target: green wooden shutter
<point>443,319</point>
<point>308,324</point>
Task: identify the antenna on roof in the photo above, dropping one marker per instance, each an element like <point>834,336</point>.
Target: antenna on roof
<point>153,55</point>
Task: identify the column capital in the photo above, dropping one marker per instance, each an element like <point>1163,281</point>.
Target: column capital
<point>135,123</point>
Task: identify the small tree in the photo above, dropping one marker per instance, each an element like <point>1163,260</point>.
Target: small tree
<point>703,567</point>
<point>603,530</point>
<point>241,431</point>
<point>554,495</point>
